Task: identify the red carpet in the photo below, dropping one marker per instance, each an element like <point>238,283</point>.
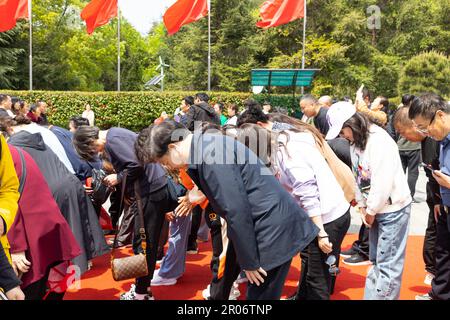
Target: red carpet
<point>98,283</point>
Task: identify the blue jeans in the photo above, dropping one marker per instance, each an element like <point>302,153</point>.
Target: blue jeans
<point>387,245</point>
<point>173,264</point>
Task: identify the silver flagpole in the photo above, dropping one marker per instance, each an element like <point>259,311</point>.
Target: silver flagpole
<point>304,41</point>
<point>209,45</point>
<point>31,44</point>
<point>118,47</point>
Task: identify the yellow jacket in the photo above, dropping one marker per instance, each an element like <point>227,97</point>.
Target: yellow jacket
<point>9,191</point>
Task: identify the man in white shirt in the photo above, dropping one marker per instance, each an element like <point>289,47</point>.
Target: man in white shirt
<point>5,106</point>
<point>233,111</point>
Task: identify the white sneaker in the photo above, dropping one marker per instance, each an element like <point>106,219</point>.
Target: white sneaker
<point>206,294</point>
<point>234,294</point>
<point>425,296</point>
<point>159,281</point>
<point>428,278</point>
<point>132,295</point>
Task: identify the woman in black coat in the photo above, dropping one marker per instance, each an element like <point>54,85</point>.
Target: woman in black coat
<point>265,224</point>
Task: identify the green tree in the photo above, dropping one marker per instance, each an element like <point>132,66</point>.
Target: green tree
<point>9,58</point>
<point>427,72</point>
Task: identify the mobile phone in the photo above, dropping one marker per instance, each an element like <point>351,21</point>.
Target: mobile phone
<point>427,166</point>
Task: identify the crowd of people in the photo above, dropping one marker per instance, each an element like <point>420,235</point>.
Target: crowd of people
<point>260,185</point>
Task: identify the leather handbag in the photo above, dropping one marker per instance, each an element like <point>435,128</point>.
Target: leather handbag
<point>134,266</point>
<point>101,191</point>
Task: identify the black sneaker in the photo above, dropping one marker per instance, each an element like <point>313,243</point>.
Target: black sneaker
<point>357,260</point>
<point>348,253</point>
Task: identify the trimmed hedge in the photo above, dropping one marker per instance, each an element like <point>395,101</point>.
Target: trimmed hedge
<point>132,110</point>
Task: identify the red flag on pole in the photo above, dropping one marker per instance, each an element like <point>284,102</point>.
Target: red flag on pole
<point>8,9</point>
<point>22,10</point>
<point>278,12</point>
<point>183,12</point>
<point>98,13</point>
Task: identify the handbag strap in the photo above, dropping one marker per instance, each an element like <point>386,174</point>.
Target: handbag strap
<point>140,212</point>
<point>122,197</point>
<point>137,192</point>
<point>24,172</point>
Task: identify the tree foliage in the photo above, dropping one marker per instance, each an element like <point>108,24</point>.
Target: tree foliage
<point>426,72</point>
<point>339,43</point>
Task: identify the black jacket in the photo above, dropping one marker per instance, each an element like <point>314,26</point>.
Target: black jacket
<point>43,121</point>
<point>201,112</point>
<point>265,224</point>
<point>69,194</point>
<point>8,279</point>
<point>120,148</point>
<point>82,168</point>
<point>430,156</point>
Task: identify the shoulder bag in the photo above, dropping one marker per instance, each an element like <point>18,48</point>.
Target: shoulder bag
<point>134,266</point>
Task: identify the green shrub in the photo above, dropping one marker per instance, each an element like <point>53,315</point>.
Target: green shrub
<point>426,72</point>
<point>132,110</point>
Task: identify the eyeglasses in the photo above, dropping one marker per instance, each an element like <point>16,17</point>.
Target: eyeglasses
<point>425,131</point>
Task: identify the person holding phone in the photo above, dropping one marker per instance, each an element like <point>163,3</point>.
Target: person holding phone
<point>430,115</point>
<point>383,198</point>
<point>430,156</point>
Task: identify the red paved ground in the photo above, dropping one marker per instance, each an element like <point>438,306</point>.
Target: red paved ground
<point>98,283</point>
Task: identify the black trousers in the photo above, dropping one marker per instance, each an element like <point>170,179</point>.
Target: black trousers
<point>429,243</point>
<point>38,290</point>
<point>155,207</point>
<point>315,279</point>
<point>273,284</point>
<point>362,244</point>
<point>196,221</point>
<point>410,163</point>
<point>224,266</point>
<point>114,209</point>
<point>125,232</point>
<point>440,286</point>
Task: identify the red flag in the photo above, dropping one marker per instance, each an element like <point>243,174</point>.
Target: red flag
<point>8,9</point>
<point>183,12</point>
<point>98,13</point>
<point>22,10</point>
<point>278,12</point>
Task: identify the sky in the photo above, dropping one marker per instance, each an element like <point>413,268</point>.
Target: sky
<point>142,13</point>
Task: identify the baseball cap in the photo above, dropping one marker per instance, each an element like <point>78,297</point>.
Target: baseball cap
<point>336,117</point>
